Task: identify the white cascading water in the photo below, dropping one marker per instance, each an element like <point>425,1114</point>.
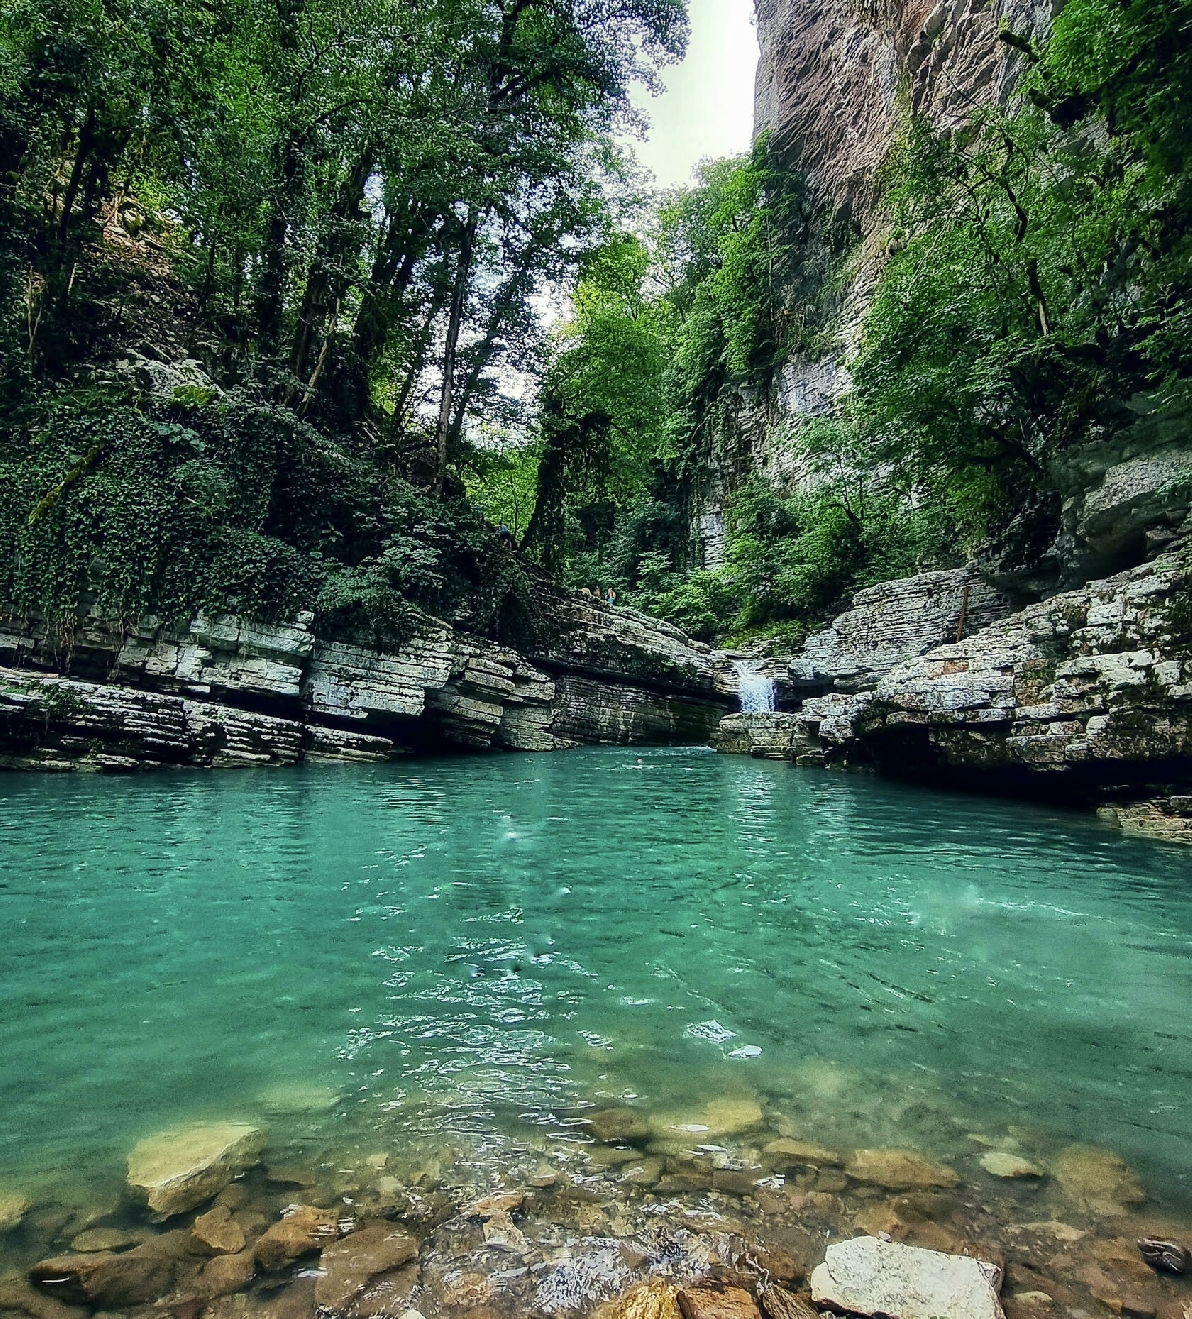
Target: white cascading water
<point>755,690</point>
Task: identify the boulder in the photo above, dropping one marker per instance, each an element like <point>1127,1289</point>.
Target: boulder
<point>106,1238</point>
<point>1097,1180</point>
<point>215,1233</point>
<point>300,1231</point>
<point>899,1170</point>
<point>868,1276</point>
<point>178,1170</point>
<point>17,1294</point>
<point>801,1153</point>
<point>349,1264</point>
<point>226,1274</point>
<point>619,1124</point>
<point>716,1302</point>
<point>13,1207</point>
<point>999,1163</point>
<point>106,1281</point>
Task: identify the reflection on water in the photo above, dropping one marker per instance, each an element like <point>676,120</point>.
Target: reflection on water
<point>475,949</point>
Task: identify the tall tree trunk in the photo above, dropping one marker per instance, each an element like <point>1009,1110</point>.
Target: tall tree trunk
<point>502,305</point>
<point>454,322</point>
<point>326,281</point>
<point>270,299</point>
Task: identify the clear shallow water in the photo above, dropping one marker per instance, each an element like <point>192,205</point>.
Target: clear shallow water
<point>485,945</point>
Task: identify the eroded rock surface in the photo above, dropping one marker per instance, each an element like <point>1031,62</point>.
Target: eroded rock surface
<point>179,1170</point>
<point>1086,696</point>
<point>868,1276</point>
<point>225,692</point>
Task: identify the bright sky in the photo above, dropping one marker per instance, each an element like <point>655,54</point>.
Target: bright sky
<point>707,108</point>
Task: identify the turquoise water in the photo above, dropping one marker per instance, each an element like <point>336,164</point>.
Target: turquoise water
<point>475,949</point>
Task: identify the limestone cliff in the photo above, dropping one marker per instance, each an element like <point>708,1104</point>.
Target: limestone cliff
<point>225,691</point>
<point>1085,697</point>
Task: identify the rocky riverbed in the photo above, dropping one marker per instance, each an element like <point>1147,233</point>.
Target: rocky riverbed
<point>729,1211</point>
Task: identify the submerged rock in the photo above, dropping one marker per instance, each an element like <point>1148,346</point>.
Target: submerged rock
<point>795,1153</point>
<point>899,1170</point>
<point>301,1231</point>
<point>105,1238</point>
<point>299,1098</point>
<point>1097,1180</point>
<point>19,1296</point>
<point>215,1233</point>
<point>999,1163</point>
<point>350,1264</point>
<point>178,1170</point>
<point>13,1207</point>
<point>225,1274</point>
<point>104,1280</point>
<point>620,1124</point>
<point>867,1276</point>
<point>719,1117</point>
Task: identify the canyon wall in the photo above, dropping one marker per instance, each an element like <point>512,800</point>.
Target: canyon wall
<point>224,691</point>
<point>836,81</point>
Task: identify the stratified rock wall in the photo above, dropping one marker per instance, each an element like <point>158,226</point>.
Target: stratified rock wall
<point>892,622</point>
<point>1085,697</point>
<point>229,692</point>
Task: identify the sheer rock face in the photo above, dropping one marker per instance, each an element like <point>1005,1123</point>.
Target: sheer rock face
<point>225,692</point>
<point>830,72</point>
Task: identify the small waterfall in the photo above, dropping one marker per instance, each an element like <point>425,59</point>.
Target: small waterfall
<point>755,691</point>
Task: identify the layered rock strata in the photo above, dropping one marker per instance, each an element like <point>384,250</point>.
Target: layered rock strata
<point>892,622</point>
<point>224,691</point>
<point>1086,696</point>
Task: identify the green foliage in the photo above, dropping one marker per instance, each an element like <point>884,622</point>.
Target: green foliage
<point>1042,277</point>
<point>177,509</point>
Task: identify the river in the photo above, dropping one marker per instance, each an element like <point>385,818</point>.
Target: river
<point>462,957</point>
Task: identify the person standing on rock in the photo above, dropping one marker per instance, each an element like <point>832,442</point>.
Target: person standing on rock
<point>611,598</point>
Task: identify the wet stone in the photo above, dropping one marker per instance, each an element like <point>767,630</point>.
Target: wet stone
<point>13,1207</point>
<point>734,1182</point>
<point>179,1170</point>
<point>225,1274</point>
<point>899,1170</point>
<point>1000,1163</point>
<point>501,1202</point>
<point>789,1153</point>
<point>1097,1181</point>
<point>216,1233</point>
<point>778,1303</point>
<point>18,1295</point>
<point>351,1263</point>
<point>717,1303</point>
<point>502,1233</point>
<point>303,1229</point>
<point>106,1280</point>
<point>106,1238</point>
<point>619,1124</point>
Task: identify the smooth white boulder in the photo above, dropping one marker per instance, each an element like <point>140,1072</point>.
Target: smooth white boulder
<point>869,1276</point>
